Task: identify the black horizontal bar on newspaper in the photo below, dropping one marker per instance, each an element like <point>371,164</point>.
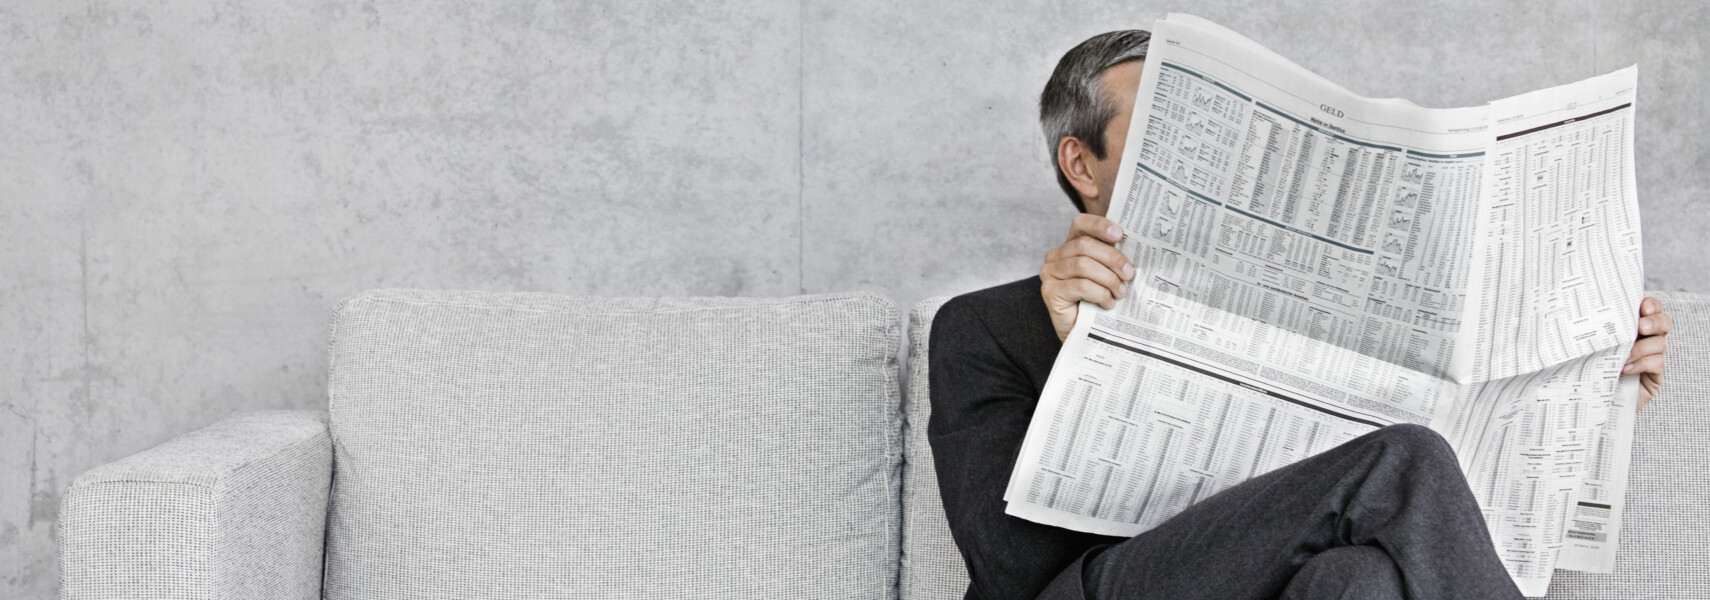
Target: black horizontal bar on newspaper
<point>1563,122</point>
<point>1273,394</point>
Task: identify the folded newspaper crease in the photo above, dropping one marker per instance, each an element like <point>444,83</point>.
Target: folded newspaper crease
<point>1315,264</point>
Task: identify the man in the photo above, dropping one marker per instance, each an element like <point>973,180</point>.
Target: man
<point>1387,515</point>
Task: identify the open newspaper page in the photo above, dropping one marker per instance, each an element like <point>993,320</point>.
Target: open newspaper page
<point>1303,256</point>
<point>1560,279</point>
<point>1306,260</point>
<point>1594,521</point>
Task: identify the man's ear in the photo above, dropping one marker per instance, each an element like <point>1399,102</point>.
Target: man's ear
<point>1073,157</point>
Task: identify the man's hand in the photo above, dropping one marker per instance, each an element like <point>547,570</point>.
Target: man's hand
<point>1646,359</point>
<point>1086,267</point>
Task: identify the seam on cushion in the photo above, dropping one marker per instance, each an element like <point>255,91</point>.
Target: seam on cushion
<point>893,408</point>
<point>922,328</point>
<point>111,481</point>
<point>221,475</point>
<point>216,545</point>
<point>906,583</point>
<point>345,308</point>
<point>781,302</point>
<point>913,550</point>
<point>325,432</point>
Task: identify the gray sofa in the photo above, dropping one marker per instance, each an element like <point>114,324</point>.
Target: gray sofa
<point>485,445</point>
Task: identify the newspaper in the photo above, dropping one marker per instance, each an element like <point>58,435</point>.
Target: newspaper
<point>1315,265</point>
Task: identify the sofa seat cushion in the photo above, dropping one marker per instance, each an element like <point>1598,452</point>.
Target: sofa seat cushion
<point>543,446</point>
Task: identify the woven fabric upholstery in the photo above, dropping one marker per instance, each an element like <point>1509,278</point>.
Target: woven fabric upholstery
<point>1665,533</point>
<point>527,445</point>
<point>931,567</point>
<point>233,510</point>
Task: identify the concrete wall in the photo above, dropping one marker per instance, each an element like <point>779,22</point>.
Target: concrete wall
<point>187,187</point>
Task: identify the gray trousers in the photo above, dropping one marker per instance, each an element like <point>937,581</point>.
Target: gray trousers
<point>1386,515</point>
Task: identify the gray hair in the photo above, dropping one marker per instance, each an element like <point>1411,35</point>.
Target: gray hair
<point>1074,104</point>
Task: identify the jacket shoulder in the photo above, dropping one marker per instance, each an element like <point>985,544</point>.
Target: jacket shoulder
<point>1009,318</point>
<point>1001,303</point>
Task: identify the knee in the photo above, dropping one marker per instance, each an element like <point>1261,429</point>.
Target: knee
<point>1417,438</point>
<point>1420,444</point>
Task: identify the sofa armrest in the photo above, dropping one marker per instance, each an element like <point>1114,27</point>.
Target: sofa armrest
<point>236,509</point>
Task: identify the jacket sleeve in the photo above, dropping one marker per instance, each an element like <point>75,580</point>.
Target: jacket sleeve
<point>982,401</point>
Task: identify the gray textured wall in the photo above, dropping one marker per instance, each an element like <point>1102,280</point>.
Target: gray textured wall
<point>187,187</point>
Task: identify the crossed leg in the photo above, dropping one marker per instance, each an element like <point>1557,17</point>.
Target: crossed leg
<point>1386,515</point>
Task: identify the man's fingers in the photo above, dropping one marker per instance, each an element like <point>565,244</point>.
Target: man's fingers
<point>1649,364</point>
<point>1656,324</point>
<point>1095,226</point>
<point>1084,268</point>
<point>1088,258</point>
<point>1094,293</point>
<point>1652,383</point>
<point>1649,306</point>
<point>1647,346</point>
<point>1063,294</point>
<point>1112,258</point>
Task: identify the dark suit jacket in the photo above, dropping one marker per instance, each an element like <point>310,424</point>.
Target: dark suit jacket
<point>990,353</point>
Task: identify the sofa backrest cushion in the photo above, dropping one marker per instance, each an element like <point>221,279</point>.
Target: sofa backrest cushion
<point>932,569</point>
<point>542,446</point>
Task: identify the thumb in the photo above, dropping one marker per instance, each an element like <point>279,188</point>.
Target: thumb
<point>1063,319</point>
